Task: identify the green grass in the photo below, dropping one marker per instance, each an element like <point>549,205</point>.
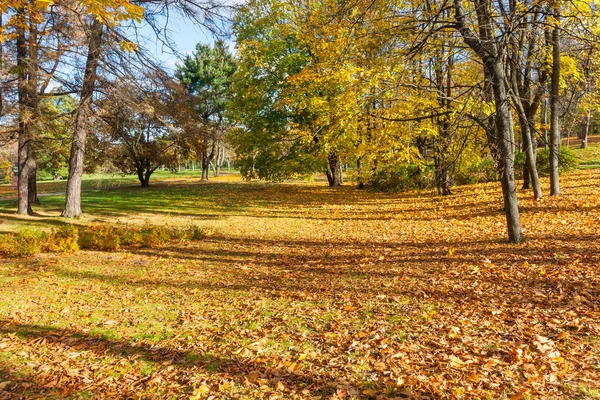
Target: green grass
<point>103,181</point>
<point>589,157</point>
<point>303,291</point>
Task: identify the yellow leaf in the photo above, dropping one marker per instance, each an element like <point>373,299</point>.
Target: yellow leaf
<point>200,393</point>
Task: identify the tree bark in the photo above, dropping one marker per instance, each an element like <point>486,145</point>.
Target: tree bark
<point>505,129</point>
<point>334,175</point>
<point>502,136</point>
<point>205,168</point>
<point>83,122</point>
<point>554,111</point>
<point>25,68</point>
<point>359,178</point>
<point>586,128</point>
<point>32,191</point>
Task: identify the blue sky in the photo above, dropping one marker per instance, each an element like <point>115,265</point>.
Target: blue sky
<point>182,33</point>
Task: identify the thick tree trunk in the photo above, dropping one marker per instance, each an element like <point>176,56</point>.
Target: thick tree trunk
<point>83,121</point>
<point>143,175</point>
<point>554,111</point>
<point>334,175</point>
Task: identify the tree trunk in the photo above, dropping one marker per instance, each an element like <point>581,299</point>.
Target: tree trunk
<point>504,125</point>
<point>530,166</point>
<point>586,128</point>
<point>361,184</point>
<point>83,121</point>
<point>205,168</point>
<point>32,190</point>
<point>526,179</point>
<point>334,176</point>
<point>501,137</point>
<point>24,119</point>
<point>442,178</point>
<point>554,111</point>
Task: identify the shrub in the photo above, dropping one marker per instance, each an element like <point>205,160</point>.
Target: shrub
<point>100,237</point>
<point>567,161</point>
<point>64,239</point>
<point>25,243</point>
<point>483,170</point>
<point>155,235</point>
<point>401,177</point>
<point>103,237</point>
<point>50,173</point>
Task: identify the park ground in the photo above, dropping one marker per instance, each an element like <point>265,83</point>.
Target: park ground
<point>300,291</point>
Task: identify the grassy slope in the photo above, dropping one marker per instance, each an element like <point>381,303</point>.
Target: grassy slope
<point>309,292</point>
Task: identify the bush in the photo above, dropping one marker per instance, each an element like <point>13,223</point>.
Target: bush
<point>155,235</point>
<point>567,161</point>
<point>103,237</point>
<point>64,239</point>
<point>25,243</point>
<point>50,173</point>
<point>100,237</point>
<point>395,178</point>
<point>482,171</point>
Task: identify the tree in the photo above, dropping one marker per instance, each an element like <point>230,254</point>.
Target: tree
<point>83,121</point>
<point>207,77</point>
<point>140,124</point>
<point>554,102</point>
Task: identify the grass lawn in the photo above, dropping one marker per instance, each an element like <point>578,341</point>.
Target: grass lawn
<point>589,157</point>
<point>306,292</point>
<point>105,181</point>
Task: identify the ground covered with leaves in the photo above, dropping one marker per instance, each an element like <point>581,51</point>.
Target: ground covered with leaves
<point>302,291</point>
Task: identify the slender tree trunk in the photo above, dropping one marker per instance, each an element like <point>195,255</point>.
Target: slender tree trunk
<point>526,179</point>
<point>359,178</point>
<point>545,123</point>
<point>334,176</point>
<point>25,128</point>
<point>530,166</point>
<point>504,127</point>
<point>586,128</point>
<point>554,111</point>
<point>32,192</point>
<point>83,121</point>
<point>205,168</point>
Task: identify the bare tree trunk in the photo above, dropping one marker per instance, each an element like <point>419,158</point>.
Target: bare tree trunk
<point>83,120</point>
<point>554,111</point>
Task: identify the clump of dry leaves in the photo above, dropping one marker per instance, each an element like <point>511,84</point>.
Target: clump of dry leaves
<point>308,292</point>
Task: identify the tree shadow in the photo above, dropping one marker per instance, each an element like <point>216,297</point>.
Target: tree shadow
<point>251,371</point>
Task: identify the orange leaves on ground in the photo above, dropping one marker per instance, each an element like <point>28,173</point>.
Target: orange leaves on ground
<point>307,292</point>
